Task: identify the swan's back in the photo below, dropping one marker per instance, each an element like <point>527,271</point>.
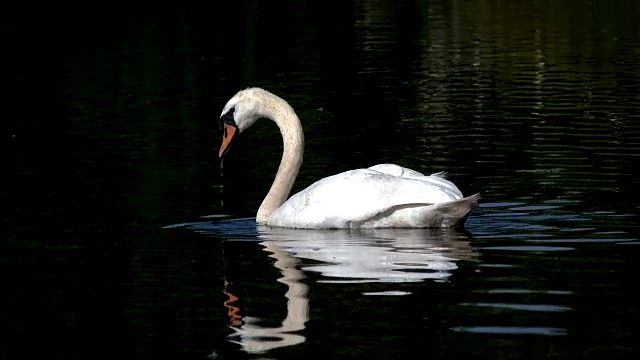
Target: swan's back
<point>384,195</point>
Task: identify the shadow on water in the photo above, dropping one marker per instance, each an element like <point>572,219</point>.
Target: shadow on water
<point>383,256</point>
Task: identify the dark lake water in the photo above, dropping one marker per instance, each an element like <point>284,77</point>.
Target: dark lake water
<point>122,237</point>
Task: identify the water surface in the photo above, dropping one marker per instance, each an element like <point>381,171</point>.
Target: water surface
<point>122,235</point>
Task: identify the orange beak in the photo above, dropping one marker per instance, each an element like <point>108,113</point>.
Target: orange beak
<point>229,132</point>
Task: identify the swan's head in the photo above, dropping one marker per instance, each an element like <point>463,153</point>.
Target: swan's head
<point>240,112</point>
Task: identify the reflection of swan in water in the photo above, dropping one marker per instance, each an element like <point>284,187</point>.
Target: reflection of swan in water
<point>375,255</point>
<point>257,339</point>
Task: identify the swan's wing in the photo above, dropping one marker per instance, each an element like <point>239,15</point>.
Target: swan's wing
<point>357,195</point>
<point>396,170</point>
<point>399,171</point>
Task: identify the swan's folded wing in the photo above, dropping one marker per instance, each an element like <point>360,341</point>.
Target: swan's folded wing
<point>396,170</point>
<point>446,214</point>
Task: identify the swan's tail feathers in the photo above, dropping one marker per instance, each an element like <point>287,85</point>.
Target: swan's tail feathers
<point>455,213</point>
<point>473,200</point>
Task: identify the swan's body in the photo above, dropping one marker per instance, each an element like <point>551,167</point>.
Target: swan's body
<point>382,196</point>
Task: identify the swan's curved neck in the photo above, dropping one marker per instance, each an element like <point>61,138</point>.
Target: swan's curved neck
<point>283,115</point>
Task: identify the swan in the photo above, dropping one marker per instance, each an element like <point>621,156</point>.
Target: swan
<point>381,196</point>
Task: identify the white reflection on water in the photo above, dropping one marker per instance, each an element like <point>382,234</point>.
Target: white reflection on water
<point>377,255</point>
<point>341,256</point>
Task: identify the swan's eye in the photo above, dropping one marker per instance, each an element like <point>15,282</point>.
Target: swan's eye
<point>227,118</point>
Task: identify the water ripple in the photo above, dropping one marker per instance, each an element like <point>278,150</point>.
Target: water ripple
<point>512,330</point>
<point>525,307</point>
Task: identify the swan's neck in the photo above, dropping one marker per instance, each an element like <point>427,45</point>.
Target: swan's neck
<point>293,140</point>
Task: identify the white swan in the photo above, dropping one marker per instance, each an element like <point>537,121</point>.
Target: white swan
<point>382,196</point>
